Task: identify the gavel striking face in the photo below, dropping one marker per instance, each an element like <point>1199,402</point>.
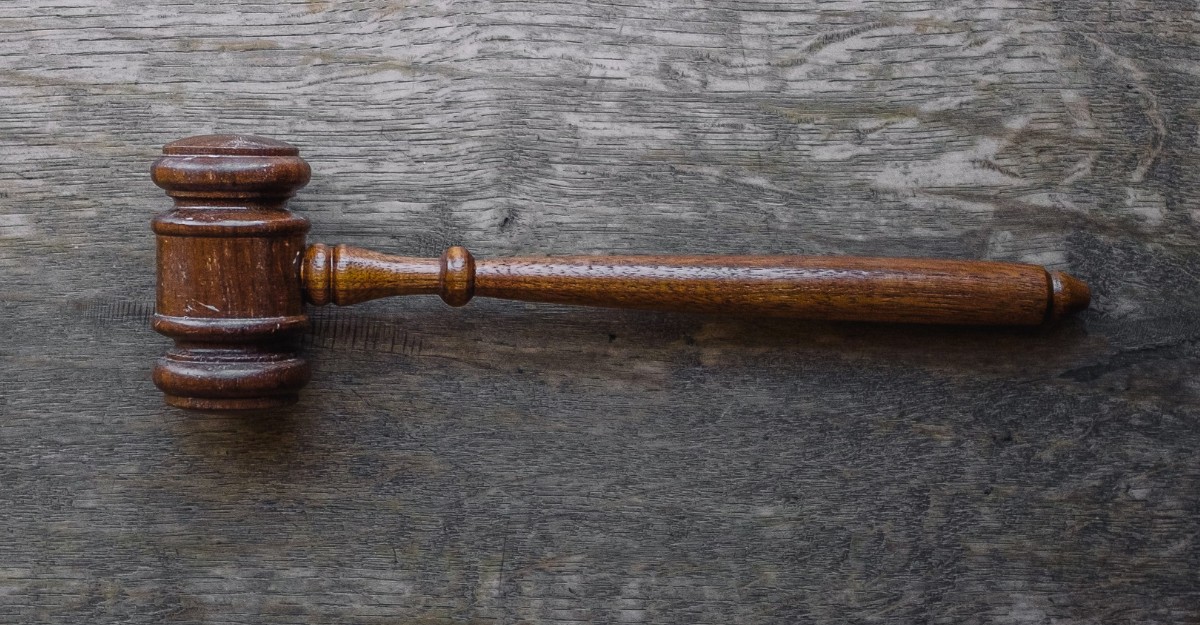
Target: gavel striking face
<point>234,274</point>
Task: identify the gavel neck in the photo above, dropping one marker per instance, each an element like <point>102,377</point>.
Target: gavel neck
<point>345,275</point>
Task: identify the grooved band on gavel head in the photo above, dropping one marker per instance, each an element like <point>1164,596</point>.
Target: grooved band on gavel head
<point>229,253</point>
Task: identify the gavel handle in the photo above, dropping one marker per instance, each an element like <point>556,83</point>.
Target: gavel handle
<point>801,287</point>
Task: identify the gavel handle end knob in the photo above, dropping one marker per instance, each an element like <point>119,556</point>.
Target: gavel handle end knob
<point>1068,295</point>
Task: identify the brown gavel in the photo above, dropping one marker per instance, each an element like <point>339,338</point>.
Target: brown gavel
<point>234,274</point>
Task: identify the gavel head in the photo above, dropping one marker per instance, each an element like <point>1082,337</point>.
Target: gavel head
<point>229,255</point>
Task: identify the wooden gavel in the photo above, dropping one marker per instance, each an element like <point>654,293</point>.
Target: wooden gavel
<point>234,274</point>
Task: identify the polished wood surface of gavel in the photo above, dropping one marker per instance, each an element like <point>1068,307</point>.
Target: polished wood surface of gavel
<point>234,273</point>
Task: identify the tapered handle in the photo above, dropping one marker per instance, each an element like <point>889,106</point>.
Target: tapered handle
<point>804,287</point>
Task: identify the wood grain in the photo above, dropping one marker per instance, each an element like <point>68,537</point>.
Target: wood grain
<point>472,466</point>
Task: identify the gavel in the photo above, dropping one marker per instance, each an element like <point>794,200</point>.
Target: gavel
<point>235,273</point>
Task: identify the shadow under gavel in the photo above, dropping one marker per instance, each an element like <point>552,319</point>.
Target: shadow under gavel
<point>234,273</point>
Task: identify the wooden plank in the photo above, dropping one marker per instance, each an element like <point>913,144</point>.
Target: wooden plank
<point>522,463</point>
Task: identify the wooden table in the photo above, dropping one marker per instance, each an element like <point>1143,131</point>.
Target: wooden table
<point>515,463</point>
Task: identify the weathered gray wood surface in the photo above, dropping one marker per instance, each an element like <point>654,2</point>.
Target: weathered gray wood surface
<point>510,463</point>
